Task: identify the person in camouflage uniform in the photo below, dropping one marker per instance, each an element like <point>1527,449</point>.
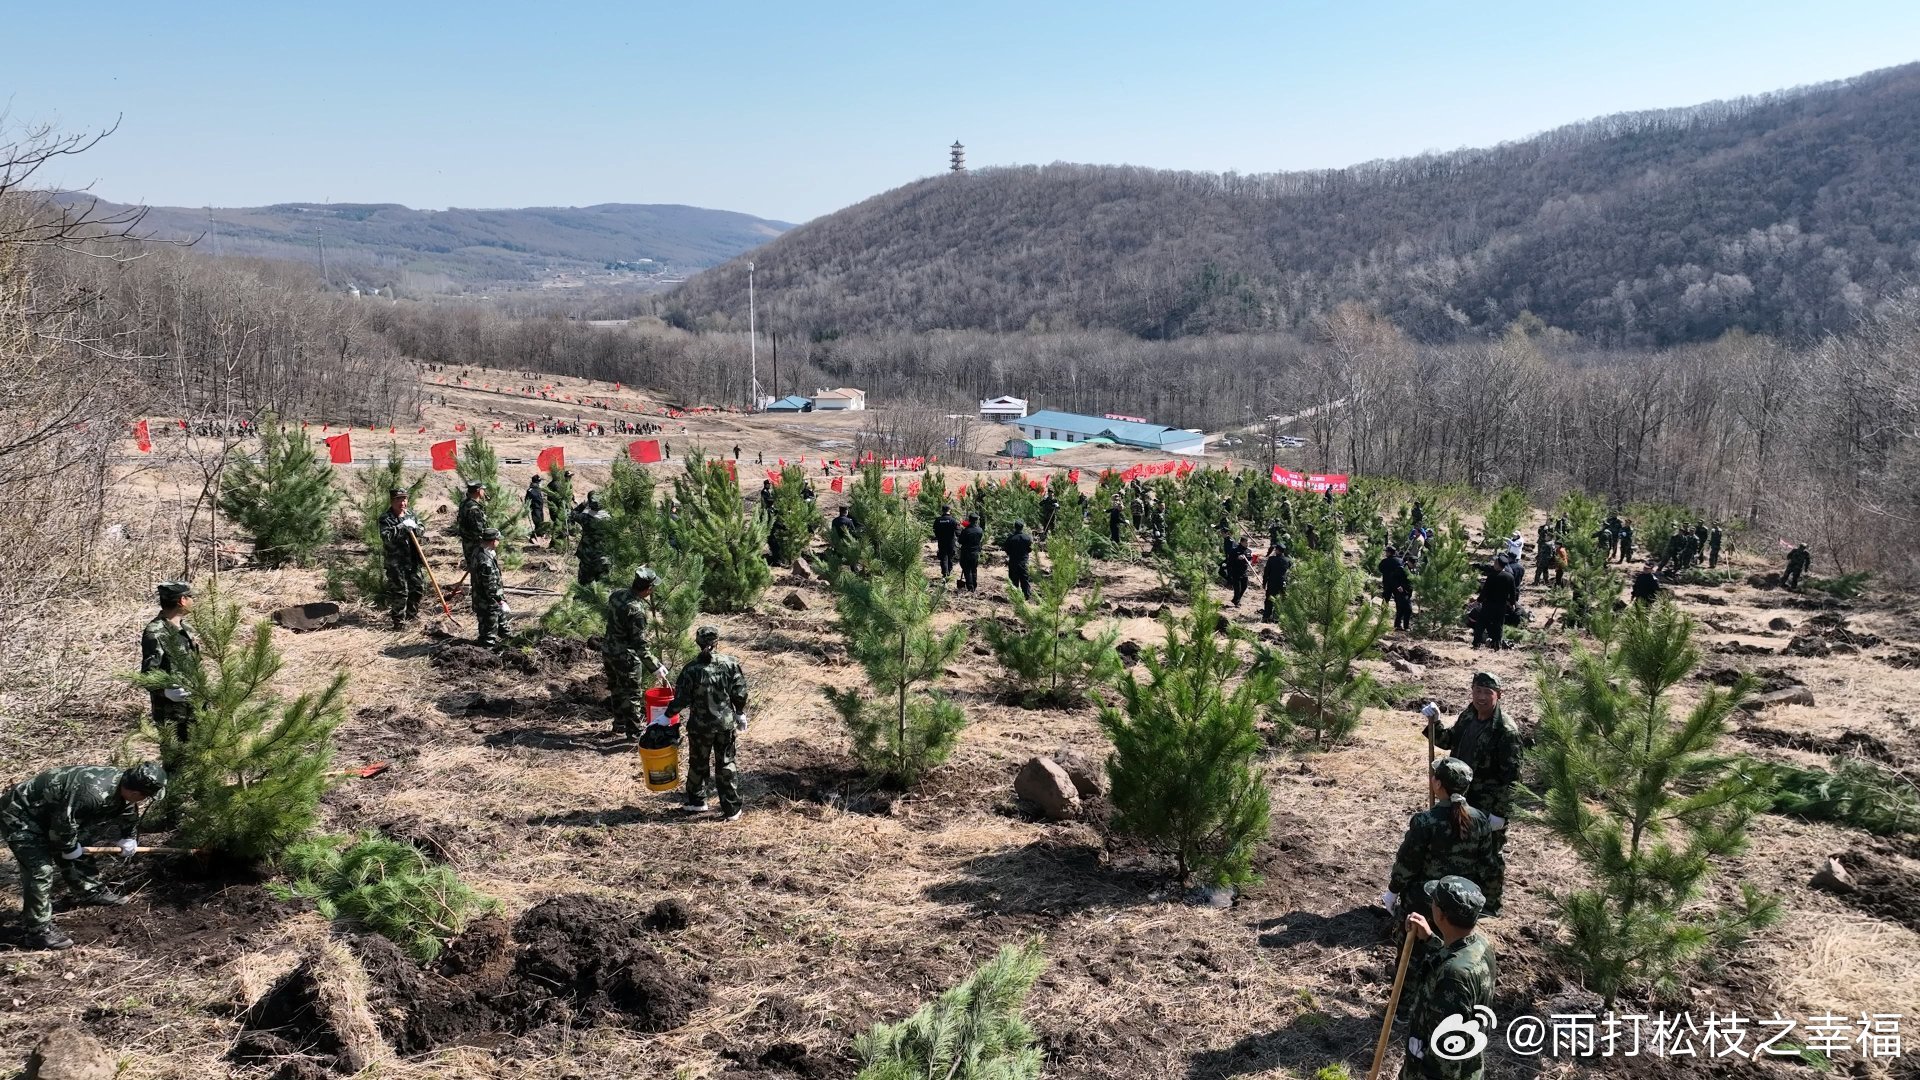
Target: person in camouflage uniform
<point>625,655</point>
<point>47,819</point>
<point>165,642</point>
<point>1451,972</point>
<point>1448,839</point>
<point>715,689</point>
<point>596,525</point>
<point>1489,743</point>
<point>471,521</point>
<point>402,556</point>
<point>489,592</point>
<point>537,506</point>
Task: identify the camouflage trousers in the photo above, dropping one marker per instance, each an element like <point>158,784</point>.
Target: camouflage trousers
<point>710,753</point>
<point>492,623</point>
<point>39,865</point>
<point>594,566</point>
<point>626,697</point>
<point>406,586</point>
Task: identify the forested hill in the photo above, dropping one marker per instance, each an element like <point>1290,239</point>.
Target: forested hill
<point>1780,214</point>
<point>382,243</point>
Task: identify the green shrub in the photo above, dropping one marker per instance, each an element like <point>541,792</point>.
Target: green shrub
<point>971,1032</point>
<point>384,886</point>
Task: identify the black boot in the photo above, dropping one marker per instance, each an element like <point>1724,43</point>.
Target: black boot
<point>48,937</point>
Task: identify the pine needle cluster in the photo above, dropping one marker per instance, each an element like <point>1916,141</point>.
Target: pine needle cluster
<point>971,1032</point>
<point>384,886</point>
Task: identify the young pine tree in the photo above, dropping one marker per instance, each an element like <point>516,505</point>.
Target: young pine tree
<point>479,464</point>
<point>1325,631</point>
<point>1443,584</point>
<point>971,1032</point>
<point>729,542</point>
<point>1592,586</point>
<point>250,774</point>
<point>900,727</point>
<point>370,500</point>
<point>559,508</point>
<point>1185,764</point>
<point>1640,793</point>
<point>795,519</point>
<point>1054,660</point>
<point>284,498</point>
<point>1504,515</point>
<point>385,886</point>
<point>933,495</point>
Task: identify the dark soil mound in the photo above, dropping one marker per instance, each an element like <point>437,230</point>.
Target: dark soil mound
<point>417,1012</point>
<point>590,951</point>
<point>1885,886</point>
<point>308,1013</point>
<point>463,658</point>
<point>667,916</point>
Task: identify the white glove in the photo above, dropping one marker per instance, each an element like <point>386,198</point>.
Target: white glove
<point>740,722</point>
<point>129,846</point>
<point>1431,711</point>
<point>1496,821</point>
<point>175,693</point>
<point>504,609</point>
<point>660,671</point>
<point>1387,899</point>
<point>76,853</point>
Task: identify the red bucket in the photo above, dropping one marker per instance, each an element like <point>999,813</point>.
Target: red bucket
<point>658,699</point>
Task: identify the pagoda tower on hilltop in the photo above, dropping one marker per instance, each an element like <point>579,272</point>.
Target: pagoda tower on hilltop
<point>958,154</point>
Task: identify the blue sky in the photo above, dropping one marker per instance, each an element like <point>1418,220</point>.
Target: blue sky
<point>791,110</point>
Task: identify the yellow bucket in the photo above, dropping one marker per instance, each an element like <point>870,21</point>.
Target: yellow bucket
<point>661,767</point>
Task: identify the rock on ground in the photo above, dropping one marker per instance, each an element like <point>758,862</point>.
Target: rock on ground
<point>68,1053</point>
<point>1087,771</point>
<point>1045,784</point>
<point>1792,695</point>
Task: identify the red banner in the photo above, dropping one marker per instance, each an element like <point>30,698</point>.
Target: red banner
<point>443,453</point>
<point>835,486</point>
<point>644,451</point>
<point>140,437</point>
<point>340,449</point>
<point>551,458</point>
<point>1316,482</point>
<point>886,485</point>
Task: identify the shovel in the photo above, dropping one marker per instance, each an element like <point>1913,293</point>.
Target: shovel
<point>365,772</point>
<point>144,850</point>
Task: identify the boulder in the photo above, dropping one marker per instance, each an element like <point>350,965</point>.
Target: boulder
<point>1807,645</point>
<point>1042,782</point>
<point>1088,772</point>
<point>1779,622</point>
<point>1764,581</point>
<point>1833,877</point>
<point>793,601</point>
<point>1299,704</point>
<point>801,570</point>
<point>68,1053</point>
<point>1792,695</point>
<point>1406,667</point>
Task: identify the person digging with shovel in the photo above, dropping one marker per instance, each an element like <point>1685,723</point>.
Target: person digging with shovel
<point>46,818</point>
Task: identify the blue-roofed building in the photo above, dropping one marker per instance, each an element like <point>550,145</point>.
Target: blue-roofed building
<point>1054,426</point>
<point>792,403</point>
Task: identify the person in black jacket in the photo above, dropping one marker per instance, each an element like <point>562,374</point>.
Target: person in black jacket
<point>1018,547</point>
<point>1049,510</point>
<point>1396,586</point>
<point>1115,515</point>
<point>1497,597</point>
<point>1646,585</point>
<point>945,532</point>
<point>972,538</point>
<point>1273,578</point>
<point>1239,562</point>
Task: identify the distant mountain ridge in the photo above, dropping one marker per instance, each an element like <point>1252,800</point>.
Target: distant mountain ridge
<point>466,246</point>
<point>1784,214</point>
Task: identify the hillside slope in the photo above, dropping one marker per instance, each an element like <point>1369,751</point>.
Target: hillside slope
<point>1780,214</point>
<point>471,246</point>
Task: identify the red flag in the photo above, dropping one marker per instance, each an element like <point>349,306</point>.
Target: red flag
<point>551,457</point>
<point>443,456</point>
<point>835,486</point>
<point>422,431</point>
<point>913,489</point>
<point>340,448</point>
<point>886,485</point>
<point>731,474</point>
<point>140,437</point>
<point>389,429</point>
<point>644,451</point>
<point>183,426</point>
<point>461,426</point>
<point>1073,476</point>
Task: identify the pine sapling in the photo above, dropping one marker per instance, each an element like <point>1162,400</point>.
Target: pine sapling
<point>971,1032</point>
<point>1443,583</point>
<point>249,776</point>
<point>1647,802</point>
<point>1053,657</point>
<point>900,727</point>
<point>478,464</point>
<point>1185,766</point>
<point>283,499</point>
<point>1327,622</point>
<point>1503,517</point>
<point>384,886</point>
<point>372,496</point>
<point>729,542</point>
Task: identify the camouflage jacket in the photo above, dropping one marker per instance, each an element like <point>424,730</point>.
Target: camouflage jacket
<point>594,527</point>
<point>472,520</point>
<point>625,642</point>
<point>64,803</point>
<point>713,687</point>
<point>161,641</point>
<point>397,533</point>
<point>489,590</point>
<point>1492,748</point>
<point>1447,980</point>
<point>1430,850</point>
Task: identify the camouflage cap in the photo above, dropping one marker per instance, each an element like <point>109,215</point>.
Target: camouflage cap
<point>171,591</point>
<point>1487,679</point>
<point>397,493</point>
<point>475,485</point>
<point>1455,776</point>
<point>489,534</point>
<point>707,635</point>
<point>1460,900</point>
<point>147,778</point>
<point>644,577</point>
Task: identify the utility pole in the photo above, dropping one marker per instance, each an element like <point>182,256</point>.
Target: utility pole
<point>753,348</point>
